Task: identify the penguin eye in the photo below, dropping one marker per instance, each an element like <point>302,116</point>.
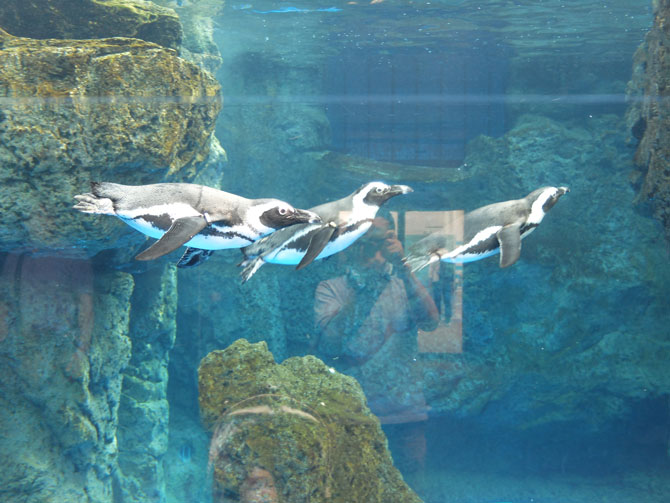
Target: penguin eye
<point>283,211</point>
<point>378,190</point>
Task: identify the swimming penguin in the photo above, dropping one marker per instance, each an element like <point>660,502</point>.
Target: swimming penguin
<point>188,214</point>
<point>342,222</point>
<point>498,227</point>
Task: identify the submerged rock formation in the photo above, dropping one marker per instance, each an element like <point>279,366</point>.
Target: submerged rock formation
<point>143,412</point>
<point>76,110</point>
<point>572,324</point>
<point>294,432</point>
<point>64,335</point>
<point>197,22</point>
<point>649,115</point>
<point>86,19</point>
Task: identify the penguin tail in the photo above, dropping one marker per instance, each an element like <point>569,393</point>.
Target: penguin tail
<point>250,268</point>
<point>418,262</point>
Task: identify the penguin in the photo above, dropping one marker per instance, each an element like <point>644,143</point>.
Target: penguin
<point>496,228</point>
<point>188,214</point>
<point>342,222</point>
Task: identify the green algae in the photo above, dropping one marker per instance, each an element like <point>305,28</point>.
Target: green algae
<point>306,424</point>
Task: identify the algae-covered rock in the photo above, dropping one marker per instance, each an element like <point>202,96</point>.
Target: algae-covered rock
<point>143,411</point>
<point>85,19</point>
<point>92,109</point>
<point>592,250</point>
<point>649,116</point>
<point>64,344</point>
<point>300,426</point>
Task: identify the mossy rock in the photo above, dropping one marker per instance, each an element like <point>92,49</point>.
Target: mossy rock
<point>85,19</point>
<point>117,109</point>
<point>304,423</point>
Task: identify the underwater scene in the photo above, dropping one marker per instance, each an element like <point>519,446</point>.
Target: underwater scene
<point>275,251</point>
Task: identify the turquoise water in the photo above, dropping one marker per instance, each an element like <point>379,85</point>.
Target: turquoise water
<point>546,381</point>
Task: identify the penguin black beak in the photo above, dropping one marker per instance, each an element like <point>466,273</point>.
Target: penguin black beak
<point>304,216</point>
<point>396,190</point>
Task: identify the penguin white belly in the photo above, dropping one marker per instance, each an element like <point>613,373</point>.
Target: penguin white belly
<point>140,218</point>
<point>463,258</point>
<point>213,242</point>
<point>344,241</point>
<point>144,227</point>
<point>462,255</point>
<point>285,256</point>
<point>227,237</point>
<point>468,252</point>
<point>291,256</point>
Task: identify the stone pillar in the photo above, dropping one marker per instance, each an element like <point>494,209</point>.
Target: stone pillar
<point>144,412</point>
<point>63,344</point>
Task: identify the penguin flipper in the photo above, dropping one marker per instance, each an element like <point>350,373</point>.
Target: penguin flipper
<point>317,244</point>
<point>193,257</point>
<point>509,238</point>
<point>181,231</point>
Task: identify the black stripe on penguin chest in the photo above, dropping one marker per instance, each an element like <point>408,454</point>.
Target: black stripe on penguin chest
<point>491,243</point>
<point>223,231</point>
<point>483,247</point>
<point>162,221</point>
<point>219,229</point>
<point>301,244</point>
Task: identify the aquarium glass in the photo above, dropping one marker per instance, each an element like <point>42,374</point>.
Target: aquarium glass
<point>342,306</point>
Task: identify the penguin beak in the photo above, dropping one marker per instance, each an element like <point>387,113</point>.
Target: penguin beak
<point>396,190</point>
<point>304,216</point>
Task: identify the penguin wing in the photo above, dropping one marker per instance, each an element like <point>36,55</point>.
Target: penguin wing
<point>316,245</point>
<point>181,231</point>
<point>509,238</point>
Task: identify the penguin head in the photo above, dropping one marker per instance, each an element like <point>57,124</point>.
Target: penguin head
<point>542,200</point>
<point>377,193</point>
<point>273,214</point>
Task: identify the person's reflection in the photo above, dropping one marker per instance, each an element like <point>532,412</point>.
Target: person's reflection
<point>367,321</point>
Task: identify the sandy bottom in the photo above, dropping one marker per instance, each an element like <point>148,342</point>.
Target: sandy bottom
<point>465,487</point>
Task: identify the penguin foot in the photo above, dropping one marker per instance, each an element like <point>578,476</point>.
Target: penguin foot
<point>89,203</point>
<point>193,257</point>
<point>250,268</point>
<point>418,262</point>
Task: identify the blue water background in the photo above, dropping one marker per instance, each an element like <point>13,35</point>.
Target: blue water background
<point>560,392</point>
<point>414,84</point>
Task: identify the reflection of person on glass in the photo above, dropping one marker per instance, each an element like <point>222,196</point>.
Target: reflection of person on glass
<point>367,323</point>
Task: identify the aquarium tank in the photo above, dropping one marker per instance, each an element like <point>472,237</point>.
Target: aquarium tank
<point>333,251</point>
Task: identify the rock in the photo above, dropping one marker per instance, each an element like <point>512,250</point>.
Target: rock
<point>649,116</point>
<point>197,19</point>
<point>63,348</point>
<point>591,250</point>
<point>198,45</point>
<point>92,109</point>
<point>295,432</point>
<point>144,411</point>
<point>86,19</point>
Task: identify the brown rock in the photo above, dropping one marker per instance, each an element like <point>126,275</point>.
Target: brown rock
<point>85,19</point>
<point>74,110</point>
